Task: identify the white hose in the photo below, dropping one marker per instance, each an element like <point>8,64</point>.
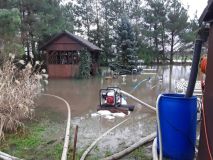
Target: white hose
<point>67,134</point>
<point>158,118</point>
<point>138,100</point>
<point>6,156</point>
<point>154,150</point>
<point>159,128</point>
<point>99,138</point>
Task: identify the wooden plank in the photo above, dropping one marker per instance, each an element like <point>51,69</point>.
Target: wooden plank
<point>207,119</point>
<point>62,70</point>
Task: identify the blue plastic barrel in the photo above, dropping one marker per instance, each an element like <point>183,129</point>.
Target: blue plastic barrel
<point>178,116</point>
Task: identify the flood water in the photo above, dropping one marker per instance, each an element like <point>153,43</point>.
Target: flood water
<point>83,97</point>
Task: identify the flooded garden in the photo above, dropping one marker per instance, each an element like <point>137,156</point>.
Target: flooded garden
<point>88,79</point>
<point>83,96</point>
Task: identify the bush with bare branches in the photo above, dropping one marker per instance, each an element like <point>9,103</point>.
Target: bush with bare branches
<point>18,89</point>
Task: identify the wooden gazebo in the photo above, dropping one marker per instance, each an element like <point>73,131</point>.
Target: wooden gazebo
<point>62,55</point>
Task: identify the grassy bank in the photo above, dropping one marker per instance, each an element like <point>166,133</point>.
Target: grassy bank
<point>42,139</point>
<point>38,141</point>
<point>33,142</point>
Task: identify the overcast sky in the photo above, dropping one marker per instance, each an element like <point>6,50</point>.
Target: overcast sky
<point>195,5</point>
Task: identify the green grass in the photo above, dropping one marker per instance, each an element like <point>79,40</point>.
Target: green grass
<point>22,142</point>
<point>31,144</point>
<point>108,153</point>
<point>55,153</point>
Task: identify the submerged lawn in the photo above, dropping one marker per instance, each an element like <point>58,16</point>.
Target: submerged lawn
<point>43,137</point>
<point>40,139</point>
<point>138,154</point>
<point>32,143</point>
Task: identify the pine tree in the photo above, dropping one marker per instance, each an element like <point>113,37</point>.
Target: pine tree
<point>187,37</point>
<point>83,11</point>
<point>9,23</point>
<point>154,25</point>
<point>85,64</point>
<point>67,14</point>
<point>39,22</point>
<point>176,25</point>
<point>136,19</point>
<point>126,44</point>
<point>9,28</point>
<point>107,31</point>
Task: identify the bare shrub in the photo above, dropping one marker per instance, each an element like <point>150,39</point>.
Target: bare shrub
<point>18,89</point>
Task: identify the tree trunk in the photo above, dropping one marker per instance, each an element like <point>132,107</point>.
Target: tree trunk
<point>163,40</point>
<point>162,43</point>
<point>156,42</point>
<point>33,45</point>
<point>172,48</point>
<point>24,39</point>
<point>155,38</point>
<point>170,78</point>
<point>98,25</point>
<point>88,29</point>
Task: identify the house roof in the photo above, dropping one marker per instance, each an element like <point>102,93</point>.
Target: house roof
<point>79,39</point>
<point>207,14</point>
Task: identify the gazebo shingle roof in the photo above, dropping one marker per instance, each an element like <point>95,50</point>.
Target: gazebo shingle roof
<point>77,38</point>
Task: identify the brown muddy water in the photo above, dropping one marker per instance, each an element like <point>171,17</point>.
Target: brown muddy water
<point>83,97</point>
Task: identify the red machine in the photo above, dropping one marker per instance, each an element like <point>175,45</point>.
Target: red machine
<point>111,99</point>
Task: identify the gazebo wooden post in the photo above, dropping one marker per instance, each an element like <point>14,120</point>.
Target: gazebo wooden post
<point>47,58</point>
<point>205,151</point>
<point>206,135</point>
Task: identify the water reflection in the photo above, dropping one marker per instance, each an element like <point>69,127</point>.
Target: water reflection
<point>83,96</point>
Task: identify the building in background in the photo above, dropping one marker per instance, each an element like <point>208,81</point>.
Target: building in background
<point>62,55</point>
